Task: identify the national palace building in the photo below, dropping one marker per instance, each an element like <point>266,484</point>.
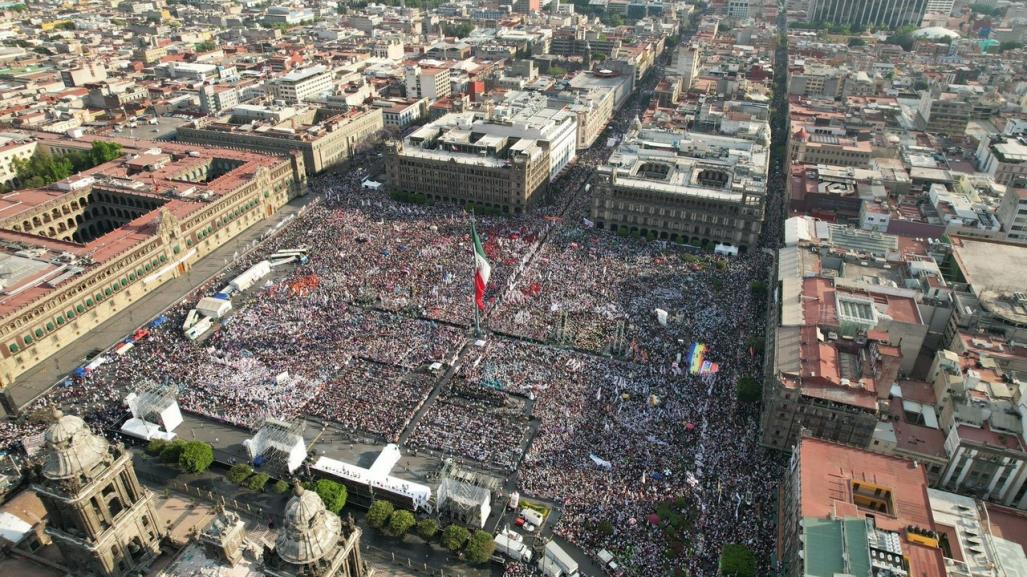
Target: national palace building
<point>74,253</point>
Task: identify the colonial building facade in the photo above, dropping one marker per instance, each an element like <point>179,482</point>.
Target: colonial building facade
<point>83,249</point>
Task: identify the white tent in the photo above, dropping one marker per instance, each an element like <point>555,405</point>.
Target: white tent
<point>377,476</point>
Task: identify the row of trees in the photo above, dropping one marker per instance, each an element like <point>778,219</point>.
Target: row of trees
<point>477,547</point>
<point>42,168</point>
<point>190,456</point>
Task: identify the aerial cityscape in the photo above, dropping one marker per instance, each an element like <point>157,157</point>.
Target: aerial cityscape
<point>510,288</point>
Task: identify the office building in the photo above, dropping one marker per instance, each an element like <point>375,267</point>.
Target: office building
<point>431,83</point>
<point>684,187</point>
<point>324,137</point>
<point>462,159</point>
<point>1004,158</point>
<point>868,13</point>
<point>1012,213</point>
<point>299,85</point>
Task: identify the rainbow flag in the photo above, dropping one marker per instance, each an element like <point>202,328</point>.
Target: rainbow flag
<point>696,356</point>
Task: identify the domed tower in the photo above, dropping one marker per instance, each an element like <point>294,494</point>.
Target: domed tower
<point>98,514</point>
<point>311,542</point>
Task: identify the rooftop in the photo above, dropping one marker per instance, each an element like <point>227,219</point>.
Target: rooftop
<point>839,482</point>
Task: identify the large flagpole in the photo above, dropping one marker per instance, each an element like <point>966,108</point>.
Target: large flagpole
<point>474,275</point>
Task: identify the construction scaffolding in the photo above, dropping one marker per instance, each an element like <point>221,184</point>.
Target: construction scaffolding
<point>278,448</point>
<point>465,503</point>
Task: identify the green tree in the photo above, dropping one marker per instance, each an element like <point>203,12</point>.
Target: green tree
<point>206,46</point>
<point>454,537</point>
<point>155,447</point>
<point>239,473</point>
<point>172,452</point>
<point>400,522</point>
<point>257,482</point>
<point>461,30</point>
<point>196,457</point>
<point>480,547</point>
<point>280,487</point>
<point>1009,46</point>
<point>737,561</point>
<point>332,493</point>
<point>379,513</point>
<point>427,528</point>
<point>857,41</point>
<point>903,37</point>
<point>748,390</point>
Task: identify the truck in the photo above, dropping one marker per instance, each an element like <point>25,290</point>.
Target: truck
<point>555,562</point>
<point>251,276</point>
<point>512,545</point>
<point>532,518</point>
<point>606,558</point>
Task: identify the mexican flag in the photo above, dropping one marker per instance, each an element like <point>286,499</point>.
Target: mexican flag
<point>482,270</point>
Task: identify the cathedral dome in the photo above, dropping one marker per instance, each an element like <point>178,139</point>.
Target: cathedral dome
<point>73,450</point>
<point>310,531</point>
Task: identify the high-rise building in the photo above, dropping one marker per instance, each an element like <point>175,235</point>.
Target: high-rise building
<point>100,517</point>
<point>866,13</point>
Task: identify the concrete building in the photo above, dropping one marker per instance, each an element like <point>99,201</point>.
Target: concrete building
<point>400,113</point>
<point>101,518</point>
<point>427,82</point>
<point>215,98</point>
<point>465,160</point>
<point>14,147</point>
<point>814,80</point>
<point>324,137</point>
<point>991,300</point>
<point>945,113</point>
<point>688,187</point>
<point>1012,213</point>
<point>1004,158</point>
<point>689,57</point>
<point>867,13</point>
<point>87,74</point>
<point>298,85</point>
<point>84,248</point>
<point>980,410</point>
<point>829,145</point>
<point>845,511</point>
<point>531,113</point>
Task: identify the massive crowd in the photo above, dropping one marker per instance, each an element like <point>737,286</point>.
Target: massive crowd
<point>580,387</point>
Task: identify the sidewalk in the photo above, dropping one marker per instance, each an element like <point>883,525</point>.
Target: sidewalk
<point>48,373</point>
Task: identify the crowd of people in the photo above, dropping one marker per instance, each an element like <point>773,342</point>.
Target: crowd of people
<point>581,387</point>
<point>373,397</point>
